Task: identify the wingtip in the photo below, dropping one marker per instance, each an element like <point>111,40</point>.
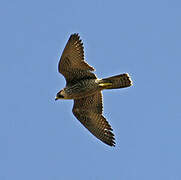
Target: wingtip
<point>112,144</point>
<point>75,35</point>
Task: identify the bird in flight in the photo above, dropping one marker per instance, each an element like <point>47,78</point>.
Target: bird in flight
<point>83,86</point>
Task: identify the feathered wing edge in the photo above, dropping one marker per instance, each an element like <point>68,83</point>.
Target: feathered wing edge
<point>88,111</point>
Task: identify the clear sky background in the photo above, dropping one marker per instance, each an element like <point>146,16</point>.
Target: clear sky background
<point>41,139</point>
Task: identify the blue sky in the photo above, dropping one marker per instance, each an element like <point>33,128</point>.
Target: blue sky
<point>41,139</point>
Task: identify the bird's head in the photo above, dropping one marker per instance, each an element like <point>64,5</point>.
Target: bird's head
<point>60,95</point>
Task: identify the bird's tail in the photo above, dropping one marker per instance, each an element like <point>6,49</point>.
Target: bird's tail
<point>115,82</point>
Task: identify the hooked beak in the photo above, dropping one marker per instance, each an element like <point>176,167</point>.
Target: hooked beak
<point>59,96</point>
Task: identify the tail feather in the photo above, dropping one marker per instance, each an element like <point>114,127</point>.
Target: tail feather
<point>115,82</point>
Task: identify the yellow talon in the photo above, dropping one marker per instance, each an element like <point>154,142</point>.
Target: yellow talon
<point>105,84</point>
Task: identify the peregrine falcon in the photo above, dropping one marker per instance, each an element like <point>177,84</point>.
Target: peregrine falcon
<point>83,86</point>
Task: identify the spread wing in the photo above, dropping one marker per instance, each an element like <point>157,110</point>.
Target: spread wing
<point>88,111</point>
<point>72,64</point>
